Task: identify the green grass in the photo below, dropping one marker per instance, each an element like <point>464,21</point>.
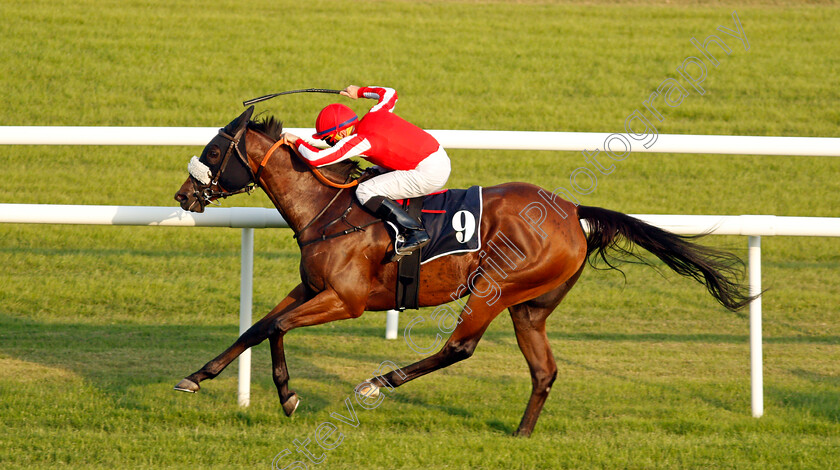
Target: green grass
<point>98,323</point>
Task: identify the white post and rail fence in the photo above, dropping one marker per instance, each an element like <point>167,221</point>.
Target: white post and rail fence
<point>752,226</point>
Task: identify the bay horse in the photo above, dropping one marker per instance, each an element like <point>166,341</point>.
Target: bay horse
<point>345,271</point>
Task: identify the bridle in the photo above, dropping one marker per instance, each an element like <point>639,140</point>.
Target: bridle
<point>207,194</point>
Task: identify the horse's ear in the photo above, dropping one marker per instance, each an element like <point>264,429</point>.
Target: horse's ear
<point>240,122</point>
<point>246,116</point>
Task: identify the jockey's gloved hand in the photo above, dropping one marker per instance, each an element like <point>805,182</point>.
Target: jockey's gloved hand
<point>372,171</point>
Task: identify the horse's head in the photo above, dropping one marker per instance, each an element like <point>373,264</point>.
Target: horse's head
<point>222,169</point>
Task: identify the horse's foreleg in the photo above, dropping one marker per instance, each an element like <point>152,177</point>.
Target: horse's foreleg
<point>256,334</point>
<point>280,373</point>
<point>325,307</point>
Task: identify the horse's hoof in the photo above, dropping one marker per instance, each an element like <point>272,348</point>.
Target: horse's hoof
<point>522,433</point>
<point>291,404</point>
<point>187,385</point>
<point>368,389</point>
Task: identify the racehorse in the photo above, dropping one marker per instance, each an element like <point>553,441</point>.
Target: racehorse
<point>540,252</point>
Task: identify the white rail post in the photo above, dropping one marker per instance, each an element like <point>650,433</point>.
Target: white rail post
<point>756,374</point>
<point>246,289</point>
<point>392,324</point>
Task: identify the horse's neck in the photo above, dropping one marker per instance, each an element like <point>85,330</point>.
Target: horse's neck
<point>296,193</point>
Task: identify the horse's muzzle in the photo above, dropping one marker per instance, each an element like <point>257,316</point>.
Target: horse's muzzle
<point>189,198</point>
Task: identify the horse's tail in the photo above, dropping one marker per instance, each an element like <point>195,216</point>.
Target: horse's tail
<point>718,270</point>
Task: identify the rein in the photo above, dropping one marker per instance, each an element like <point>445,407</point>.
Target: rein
<point>320,176</point>
<point>323,179</point>
<point>315,171</point>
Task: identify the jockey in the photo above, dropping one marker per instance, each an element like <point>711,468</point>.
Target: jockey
<point>411,162</point>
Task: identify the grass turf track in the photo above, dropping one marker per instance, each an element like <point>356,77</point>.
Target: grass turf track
<point>98,323</point>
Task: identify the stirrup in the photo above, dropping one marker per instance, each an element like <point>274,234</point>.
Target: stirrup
<point>399,251</point>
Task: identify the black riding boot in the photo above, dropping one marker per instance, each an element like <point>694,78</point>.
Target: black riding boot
<point>412,233</point>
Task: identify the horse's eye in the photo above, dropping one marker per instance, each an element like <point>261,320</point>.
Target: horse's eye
<point>214,153</point>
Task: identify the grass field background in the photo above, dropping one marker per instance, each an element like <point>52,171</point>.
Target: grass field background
<point>98,323</point>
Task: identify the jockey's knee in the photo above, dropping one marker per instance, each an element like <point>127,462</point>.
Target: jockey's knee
<point>436,169</point>
<point>364,193</point>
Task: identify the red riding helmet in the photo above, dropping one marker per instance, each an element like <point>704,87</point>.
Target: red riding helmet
<point>332,119</point>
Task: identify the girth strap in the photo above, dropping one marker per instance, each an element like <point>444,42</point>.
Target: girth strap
<point>407,291</point>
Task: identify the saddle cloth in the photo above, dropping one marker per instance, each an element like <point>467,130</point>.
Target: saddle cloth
<point>453,220</point>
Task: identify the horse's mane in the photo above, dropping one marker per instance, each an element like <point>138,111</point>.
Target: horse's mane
<point>268,125</point>
<point>273,128</point>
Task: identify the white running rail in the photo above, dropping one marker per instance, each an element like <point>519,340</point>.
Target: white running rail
<point>248,218</point>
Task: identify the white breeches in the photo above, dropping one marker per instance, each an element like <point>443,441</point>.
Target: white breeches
<point>429,176</point>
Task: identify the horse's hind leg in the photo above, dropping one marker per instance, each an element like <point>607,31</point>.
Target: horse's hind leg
<point>458,347</point>
<point>256,334</point>
<point>529,322</point>
<point>464,339</point>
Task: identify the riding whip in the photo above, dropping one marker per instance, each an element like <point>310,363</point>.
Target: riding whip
<point>307,90</point>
